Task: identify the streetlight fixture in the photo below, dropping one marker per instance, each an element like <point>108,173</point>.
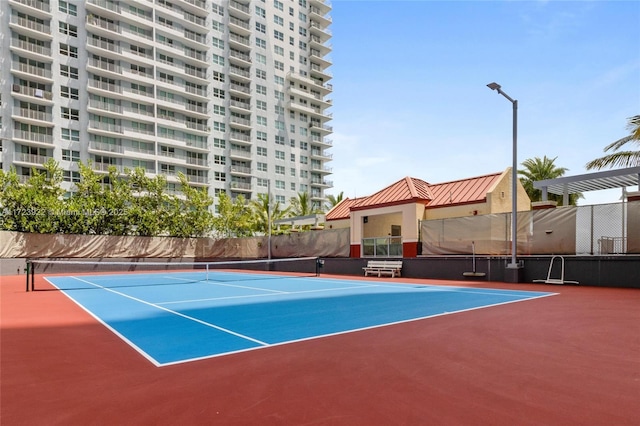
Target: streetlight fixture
<point>514,176</point>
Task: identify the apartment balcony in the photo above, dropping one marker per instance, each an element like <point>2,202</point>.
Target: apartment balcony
<point>138,77</point>
<point>309,96</point>
<point>104,68</point>
<point>194,39</point>
<point>103,28</point>
<point>240,186</point>
<point>195,75</point>
<point>196,92</point>
<point>179,140</point>
<point>240,138</point>
<point>318,30</point>
<point>320,45</point>
<point>239,106</point>
<point>105,8</point>
<point>104,89</point>
<point>320,58</point>
<point>321,142</point>
<point>30,116</point>
<point>240,171</point>
<point>239,42</point>
<point>240,90</point>
<point>30,160</point>
<point>239,10</point>
<point>31,94</point>
<point>195,21</point>
<point>38,8</point>
<point>320,73</point>
<point>104,167</point>
<point>240,154</point>
<point>300,107</point>
<point>199,180</point>
<point>320,155</point>
<point>323,5</point>
<point>198,162</point>
<point>318,168</point>
<point>196,56</point>
<point>239,26</point>
<point>321,183</point>
<point>239,58</point>
<point>317,195</point>
<point>146,134</point>
<point>183,107</point>
<point>324,129</point>
<point>105,109</point>
<point>194,5</point>
<point>142,39</point>
<point>108,148</point>
<point>315,84</point>
<point>320,16</point>
<point>240,123</point>
<point>41,140</point>
<point>31,50</point>
<point>173,158</point>
<point>137,15</point>
<point>30,28</point>
<point>103,48</point>
<point>240,73</point>
<point>106,129</point>
<point>32,73</point>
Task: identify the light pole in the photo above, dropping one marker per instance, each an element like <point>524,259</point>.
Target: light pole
<point>269,219</point>
<point>514,177</point>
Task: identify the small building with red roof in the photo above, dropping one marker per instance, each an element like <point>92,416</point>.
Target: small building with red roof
<point>395,212</point>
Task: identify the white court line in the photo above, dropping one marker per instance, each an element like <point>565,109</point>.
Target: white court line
<point>247,296</point>
<point>355,330</point>
<point>228,285</point>
<point>175,313</point>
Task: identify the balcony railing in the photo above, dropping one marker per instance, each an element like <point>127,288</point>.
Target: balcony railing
<point>31,47</point>
<point>32,114</point>
<point>31,91</point>
<point>33,136</point>
<point>32,25</point>
<point>30,158</point>
<point>36,4</point>
<point>30,69</point>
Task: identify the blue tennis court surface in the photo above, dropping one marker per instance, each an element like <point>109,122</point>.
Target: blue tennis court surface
<point>178,317</point>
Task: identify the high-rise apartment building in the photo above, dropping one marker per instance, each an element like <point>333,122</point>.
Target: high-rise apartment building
<point>233,94</point>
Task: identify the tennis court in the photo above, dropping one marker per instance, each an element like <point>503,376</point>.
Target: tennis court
<point>174,317</point>
<point>107,348</point>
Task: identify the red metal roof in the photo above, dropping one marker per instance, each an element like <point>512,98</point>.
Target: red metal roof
<point>342,209</point>
<point>412,190</point>
<point>463,191</point>
<point>404,191</point>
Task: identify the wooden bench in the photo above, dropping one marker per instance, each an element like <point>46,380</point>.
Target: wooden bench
<point>383,267</point>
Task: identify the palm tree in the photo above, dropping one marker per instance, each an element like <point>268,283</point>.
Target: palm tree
<point>333,200</point>
<point>541,169</point>
<point>260,213</point>
<point>618,158</point>
<point>301,206</point>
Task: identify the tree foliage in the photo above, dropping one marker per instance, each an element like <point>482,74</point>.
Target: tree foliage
<point>133,204</point>
<point>260,214</point>
<point>618,157</point>
<point>333,200</point>
<point>536,169</point>
<point>233,218</point>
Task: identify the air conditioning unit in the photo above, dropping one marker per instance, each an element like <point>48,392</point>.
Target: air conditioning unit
<point>16,87</point>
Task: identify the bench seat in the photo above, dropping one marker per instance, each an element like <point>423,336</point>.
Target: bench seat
<point>383,267</point>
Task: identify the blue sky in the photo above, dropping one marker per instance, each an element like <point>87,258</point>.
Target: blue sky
<point>410,95</point>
